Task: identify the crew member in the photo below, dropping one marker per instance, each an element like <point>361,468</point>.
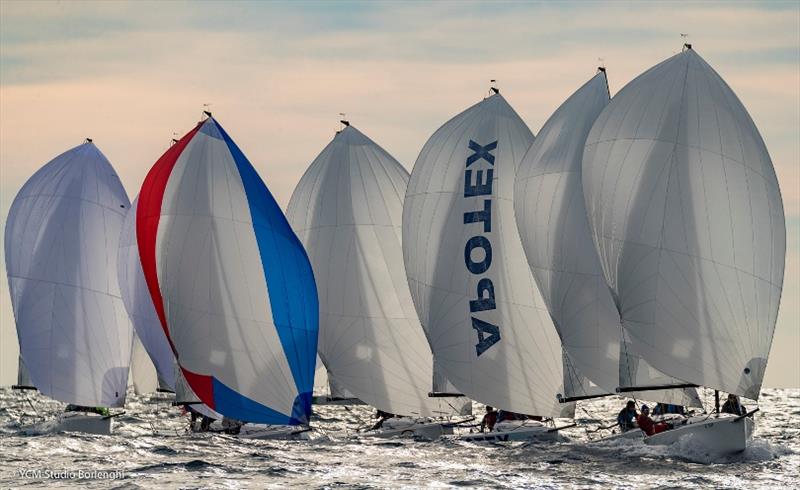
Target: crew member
<point>626,419</point>
<point>489,419</point>
<point>647,425</point>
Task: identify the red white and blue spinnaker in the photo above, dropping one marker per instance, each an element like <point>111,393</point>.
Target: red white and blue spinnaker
<point>231,283</point>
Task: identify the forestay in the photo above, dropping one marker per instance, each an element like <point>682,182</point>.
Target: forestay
<point>61,250</point>
<point>230,281</point>
<point>139,304</point>
<point>687,217</point>
<point>483,315</point>
<point>347,211</point>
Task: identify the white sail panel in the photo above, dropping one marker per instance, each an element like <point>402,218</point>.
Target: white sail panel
<point>139,303</point>
<point>321,387</point>
<point>576,385</point>
<point>143,376</point>
<point>635,371</point>
<point>347,211</point>
<point>484,317</point>
<point>61,250</point>
<point>687,217</point>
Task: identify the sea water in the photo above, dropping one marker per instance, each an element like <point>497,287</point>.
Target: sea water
<point>32,455</point>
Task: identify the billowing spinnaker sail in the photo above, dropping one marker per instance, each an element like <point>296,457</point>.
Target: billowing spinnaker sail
<point>687,217</point>
<point>230,281</point>
<point>482,312</point>
<point>139,303</point>
<point>143,376</point>
<point>61,251</point>
<point>347,210</point>
<point>551,215</point>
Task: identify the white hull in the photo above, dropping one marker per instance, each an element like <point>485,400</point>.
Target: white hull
<point>273,432</point>
<point>525,431</point>
<point>424,430</point>
<point>719,435</point>
<point>89,423</point>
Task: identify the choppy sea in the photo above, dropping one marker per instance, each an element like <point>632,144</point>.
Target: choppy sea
<point>134,457</point>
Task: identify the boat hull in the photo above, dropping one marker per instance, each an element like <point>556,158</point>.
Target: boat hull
<point>719,435</point>
<point>518,432</point>
<point>273,432</point>
<point>88,423</point>
<point>424,430</point>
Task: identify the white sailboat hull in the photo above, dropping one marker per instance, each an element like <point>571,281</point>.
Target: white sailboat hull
<point>525,431</point>
<point>273,432</point>
<point>424,430</point>
<point>718,435</point>
<point>88,423</point>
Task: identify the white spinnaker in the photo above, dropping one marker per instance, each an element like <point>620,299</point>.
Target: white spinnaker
<point>139,303</point>
<point>143,376</point>
<point>551,215</point>
<point>347,212</point>
<point>688,221</point>
<point>61,251</point>
<point>522,371</point>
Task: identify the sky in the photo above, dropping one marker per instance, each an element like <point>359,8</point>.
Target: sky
<point>133,75</point>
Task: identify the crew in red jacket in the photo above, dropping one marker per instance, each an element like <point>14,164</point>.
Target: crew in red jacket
<point>647,425</point>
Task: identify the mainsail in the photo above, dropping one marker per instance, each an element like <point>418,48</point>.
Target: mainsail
<point>688,221</point>
<point>551,215</point>
<point>483,315</point>
<point>61,251</point>
<point>139,304</point>
<point>347,210</point>
<point>230,281</point>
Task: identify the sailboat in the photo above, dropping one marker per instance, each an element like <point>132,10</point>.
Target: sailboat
<point>347,211</point>
<point>551,215</point>
<point>230,282</point>
<point>60,248</point>
<point>687,219</point>
<point>478,303</point>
